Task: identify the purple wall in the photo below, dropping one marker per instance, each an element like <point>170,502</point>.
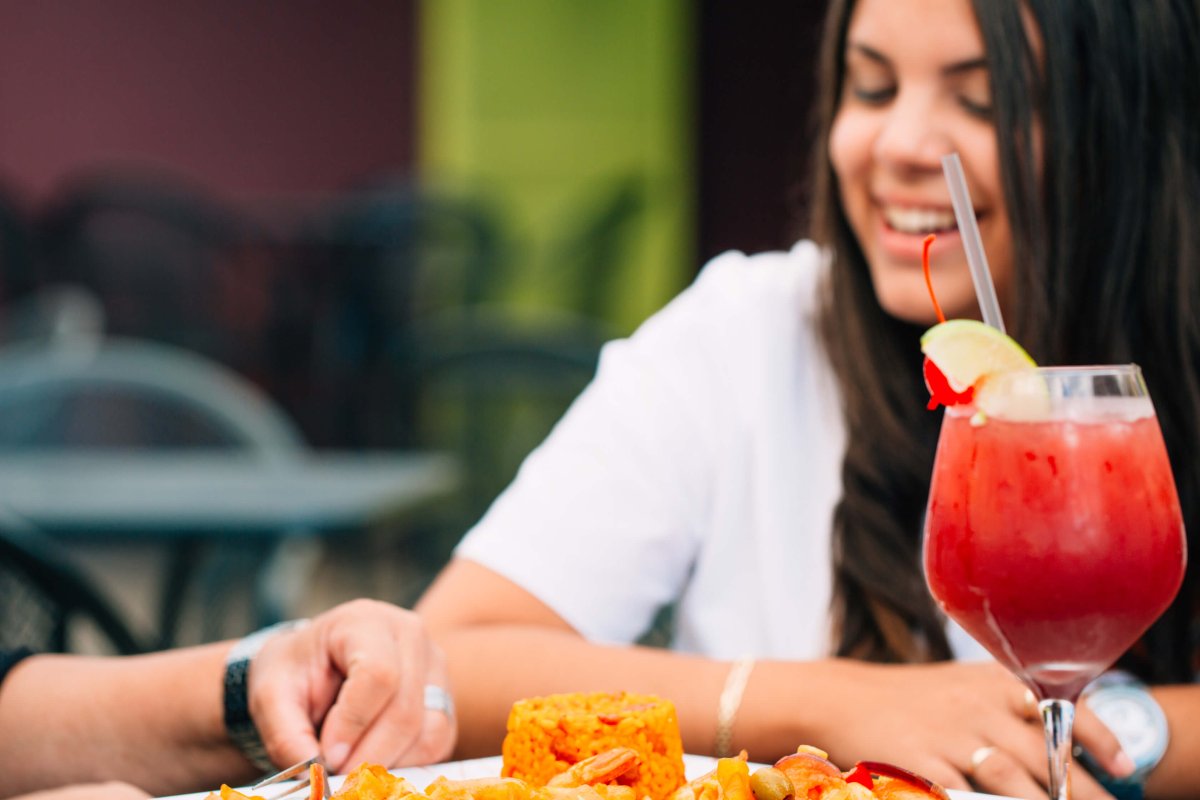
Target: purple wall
<point>251,98</point>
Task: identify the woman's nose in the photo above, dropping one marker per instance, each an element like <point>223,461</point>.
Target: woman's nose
<point>912,136</point>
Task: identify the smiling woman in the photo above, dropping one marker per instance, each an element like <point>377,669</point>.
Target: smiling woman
<point>758,454</point>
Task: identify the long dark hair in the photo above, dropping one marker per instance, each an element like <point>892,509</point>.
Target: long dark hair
<point>1107,269</point>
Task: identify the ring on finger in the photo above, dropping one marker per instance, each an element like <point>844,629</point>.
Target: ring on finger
<point>1030,706</point>
<point>438,699</point>
<point>980,755</point>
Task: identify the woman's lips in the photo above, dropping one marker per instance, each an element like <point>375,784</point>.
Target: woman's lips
<point>918,221</point>
<point>907,246</point>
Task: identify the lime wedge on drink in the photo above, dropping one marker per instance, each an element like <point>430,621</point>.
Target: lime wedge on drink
<point>965,350</point>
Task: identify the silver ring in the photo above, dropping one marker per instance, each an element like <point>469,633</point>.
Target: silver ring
<point>438,699</point>
<point>981,755</point>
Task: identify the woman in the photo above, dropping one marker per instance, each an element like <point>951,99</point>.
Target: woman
<point>708,464</point>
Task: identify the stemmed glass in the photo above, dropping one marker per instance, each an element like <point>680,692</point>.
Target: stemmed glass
<point>1053,534</point>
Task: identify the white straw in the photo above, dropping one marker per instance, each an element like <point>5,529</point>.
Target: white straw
<point>964,212</point>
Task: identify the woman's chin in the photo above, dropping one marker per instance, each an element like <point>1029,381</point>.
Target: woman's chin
<point>907,307</point>
<point>906,297</point>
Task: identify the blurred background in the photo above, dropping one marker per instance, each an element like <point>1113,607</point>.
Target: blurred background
<point>289,288</point>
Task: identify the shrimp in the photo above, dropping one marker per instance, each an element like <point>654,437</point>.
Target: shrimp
<point>600,768</point>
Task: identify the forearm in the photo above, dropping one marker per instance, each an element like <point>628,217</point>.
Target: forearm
<point>1175,776</point>
<point>494,665</point>
<point>155,721</point>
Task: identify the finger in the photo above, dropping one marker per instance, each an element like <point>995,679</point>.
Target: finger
<point>284,708</point>
<point>944,774</point>
<point>1025,705</point>
<point>111,790</point>
<point>1025,748</point>
<point>1024,743</point>
<point>1096,737</point>
<point>118,790</point>
<point>379,709</point>
<point>439,730</point>
<point>284,721</point>
<point>1000,773</point>
<point>1085,787</point>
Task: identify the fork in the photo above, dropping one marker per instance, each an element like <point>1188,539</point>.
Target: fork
<point>308,768</point>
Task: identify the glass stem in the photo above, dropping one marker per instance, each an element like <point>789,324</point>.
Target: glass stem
<point>1058,716</point>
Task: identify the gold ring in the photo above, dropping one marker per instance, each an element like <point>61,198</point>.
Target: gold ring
<point>980,755</point>
<point>1031,706</point>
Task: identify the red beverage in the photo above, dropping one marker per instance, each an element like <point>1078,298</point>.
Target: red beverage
<point>1055,541</point>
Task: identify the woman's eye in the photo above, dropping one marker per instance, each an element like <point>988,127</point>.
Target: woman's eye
<point>976,108</point>
<point>873,96</point>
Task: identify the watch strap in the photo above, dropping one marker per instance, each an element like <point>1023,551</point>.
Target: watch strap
<point>239,723</point>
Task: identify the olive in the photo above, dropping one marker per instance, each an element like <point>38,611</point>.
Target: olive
<point>768,783</point>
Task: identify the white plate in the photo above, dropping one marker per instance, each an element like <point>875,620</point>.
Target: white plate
<point>490,766</point>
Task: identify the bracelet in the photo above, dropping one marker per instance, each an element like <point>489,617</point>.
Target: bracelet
<point>731,699</point>
<point>239,724</point>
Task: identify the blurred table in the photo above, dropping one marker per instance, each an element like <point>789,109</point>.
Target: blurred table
<point>197,497</point>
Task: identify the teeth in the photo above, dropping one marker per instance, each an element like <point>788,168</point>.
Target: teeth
<point>918,220</point>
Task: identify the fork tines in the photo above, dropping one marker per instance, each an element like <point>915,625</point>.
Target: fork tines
<point>302,772</point>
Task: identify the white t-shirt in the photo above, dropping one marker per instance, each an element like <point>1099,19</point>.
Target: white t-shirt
<point>702,466</point>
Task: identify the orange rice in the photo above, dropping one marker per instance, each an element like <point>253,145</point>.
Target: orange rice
<point>547,735</point>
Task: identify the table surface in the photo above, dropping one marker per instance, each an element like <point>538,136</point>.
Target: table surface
<point>158,493</point>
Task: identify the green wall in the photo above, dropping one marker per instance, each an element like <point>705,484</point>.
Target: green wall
<point>543,107</point>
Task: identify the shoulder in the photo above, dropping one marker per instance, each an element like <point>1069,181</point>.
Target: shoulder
<point>747,291</point>
<point>794,274</point>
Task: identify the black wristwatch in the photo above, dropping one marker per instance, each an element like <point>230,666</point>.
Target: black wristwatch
<point>239,724</point>
<point>1125,705</point>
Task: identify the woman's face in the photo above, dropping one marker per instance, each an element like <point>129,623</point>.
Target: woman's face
<point>916,88</point>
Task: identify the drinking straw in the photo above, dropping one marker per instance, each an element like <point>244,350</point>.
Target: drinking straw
<point>964,212</point>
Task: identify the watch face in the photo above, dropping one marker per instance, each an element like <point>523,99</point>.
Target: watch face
<point>1135,719</point>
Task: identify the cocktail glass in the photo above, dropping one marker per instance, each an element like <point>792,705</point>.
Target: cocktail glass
<point>1053,534</point>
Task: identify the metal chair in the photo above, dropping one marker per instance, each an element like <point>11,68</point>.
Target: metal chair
<point>165,260</point>
<point>45,598</point>
<point>489,390</point>
<point>383,259</point>
<point>130,394</point>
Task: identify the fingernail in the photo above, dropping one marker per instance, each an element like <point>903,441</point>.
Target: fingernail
<point>335,756</point>
<point>1122,765</point>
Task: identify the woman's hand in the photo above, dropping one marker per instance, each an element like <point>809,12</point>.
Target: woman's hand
<point>113,790</point>
<point>964,725</point>
<point>351,686</point>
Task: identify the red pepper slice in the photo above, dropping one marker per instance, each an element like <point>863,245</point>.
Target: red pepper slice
<point>860,775</point>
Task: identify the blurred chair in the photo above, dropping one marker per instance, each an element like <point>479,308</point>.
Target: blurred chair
<point>166,262</point>
<point>18,269</point>
<point>130,394</point>
<point>384,259</point>
<point>45,599</point>
<point>590,258</point>
<point>490,390</point>
<point>61,315</point>
<point>410,342</point>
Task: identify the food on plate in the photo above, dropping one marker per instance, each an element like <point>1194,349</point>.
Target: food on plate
<point>623,747</point>
<point>807,774</point>
<point>558,734</point>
